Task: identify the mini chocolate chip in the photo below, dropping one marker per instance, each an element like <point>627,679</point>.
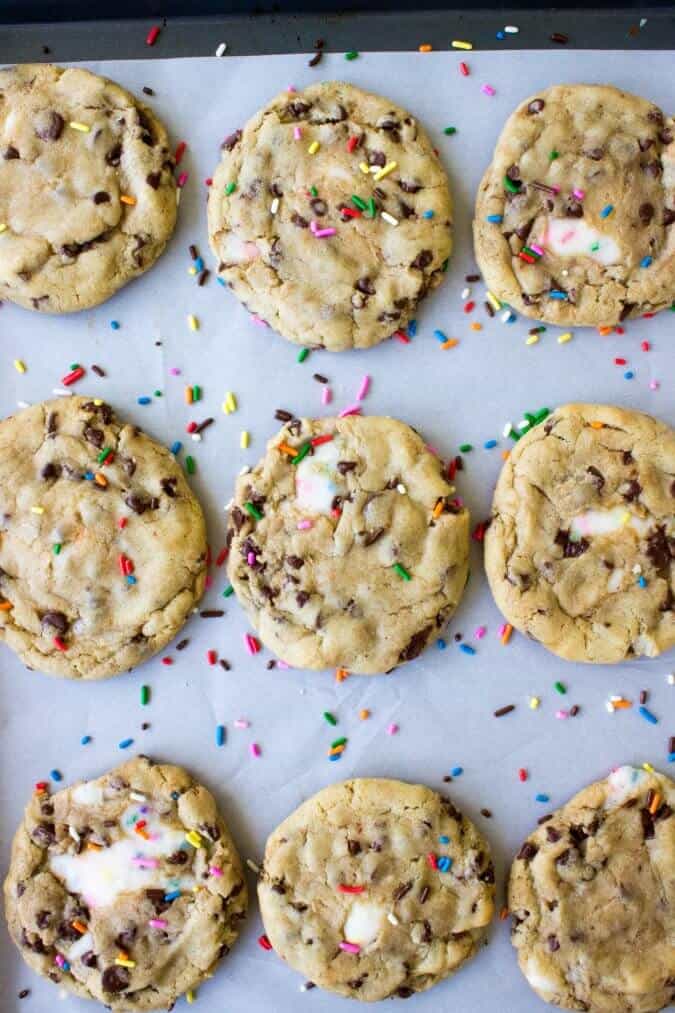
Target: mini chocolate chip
<point>153,179</point>
<point>366,286</point>
<point>597,476</point>
<point>114,155</point>
<point>318,206</point>
<point>10,152</point>
<point>422,260</point>
<point>536,106</point>
<point>89,959</point>
<point>408,186</point>
<point>553,943</point>
<point>57,620</point>
<point>101,197</point>
<point>632,491</point>
<point>298,220</point>
<point>527,852</point>
<point>377,158</point>
<point>646,213</point>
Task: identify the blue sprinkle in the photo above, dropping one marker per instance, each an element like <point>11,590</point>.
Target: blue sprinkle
<point>65,966</point>
<point>174,895</point>
<point>220,735</point>
<point>489,444</point>
<point>85,740</point>
<point>441,644</point>
<point>131,579</point>
<point>541,798</point>
<point>467,648</point>
<point>427,214</point>
<point>671,758</point>
<point>607,210</point>
<point>440,336</point>
<point>56,775</point>
<point>444,864</point>
<point>443,839</point>
<point>412,328</point>
<point>89,475</point>
<point>115,325</point>
<point>642,582</point>
<point>144,400</point>
<point>175,795</point>
<point>501,35</point>
<point>220,281</point>
<point>199,264</point>
<point>557,294</point>
<point>495,219</point>
<point>176,447</point>
<point>334,757</point>
<point>629,374</point>
<point>648,716</point>
<point>646,261</point>
<point>456,771</point>
<point>125,743</point>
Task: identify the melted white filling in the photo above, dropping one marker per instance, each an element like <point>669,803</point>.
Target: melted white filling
<point>316,479</point>
<point>363,923</point>
<point>570,237</point>
<point>622,783</point>
<point>605,522</point>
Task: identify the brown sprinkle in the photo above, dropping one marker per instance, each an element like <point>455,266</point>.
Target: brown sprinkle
<point>486,813</point>
<point>182,644</point>
<point>225,665</point>
<point>212,613</point>
<point>97,369</point>
<point>505,710</point>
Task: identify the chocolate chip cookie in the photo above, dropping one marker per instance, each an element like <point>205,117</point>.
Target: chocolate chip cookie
<point>574,217</point>
<point>87,194</point>
<point>102,542</point>
<point>330,216</point>
<point>592,898</point>
<point>126,889</point>
<point>347,545</point>
<point>376,889</point>
<point>580,552</point>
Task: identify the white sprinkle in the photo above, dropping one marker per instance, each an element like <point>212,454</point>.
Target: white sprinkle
<point>251,864</point>
<point>179,191</point>
<point>392,919</point>
<point>388,218</point>
<point>507,430</point>
<point>506,316</point>
<point>609,706</point>
<point>615,697</point>
<point>374,169</point>
<point>643,22</point>
<point>74,834</point>
<point>197,437</point>
<point>228,505</point>
<point>137,796</point>
<point>466,292</point>
<point>637,568</point>
<point>245,470</point>
<point>401,488</point>
<point>670,679</point>
<point>511,29</point>
<point>274,206</point>
<point>62,392</point>
<point>23,404</point>
<point>523,424</point>
<point>221,48</point>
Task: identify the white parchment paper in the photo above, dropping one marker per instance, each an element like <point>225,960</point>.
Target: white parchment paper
<point>443,702</point>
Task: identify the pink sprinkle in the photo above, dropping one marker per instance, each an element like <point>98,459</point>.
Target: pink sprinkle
<point>297,133</point>
<point>562,714</point>
<point>364,388</point>
<point>537,249</point>
<point>291,88</point>
<point>480,632</point>
<point>175,371</point>
<point>60,960</point>
<point>283,664</point>
<point>209,581</point>
<point>248,640</point>
<point>215,870</point>
<point>502,629</point>
<point>182,179</point>
<point>254,749</point>
<point>392,729</point>
<point>313,225</point>
<point>158,923</point>
<point>556,187</point>
<point>259,320</point>
<point>568,235</point>
<point>487,89</point>
<point>304,525</point>
<point>242,723</point>
<point>352,409</point>
<point>326,395</point>
<point>432,450</point>
<point>145,863</point>
<point>654,384</point>
<point>250,558</point>
<point>579,194</point>
<point>325,233</point>
<point>350,947</point>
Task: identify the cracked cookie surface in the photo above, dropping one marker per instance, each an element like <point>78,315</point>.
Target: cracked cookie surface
<point>580,551</point>
<point>87,194</point>
<point>102,542</point>
<point>273,194</point>
<point>376,888</point>
<point>347,547</point>
<point>592,898</point>
<point>575,216</point>
<point>126,889</point>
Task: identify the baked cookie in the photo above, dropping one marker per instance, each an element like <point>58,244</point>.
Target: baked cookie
<point>126,889</point>
<point>87,194</point>
<point>580,552</point>
<point>346,545</point>
<point>102,542</point>
<point>376,888</point>
<point>592,898</point>
<point>330,216</point>
<point>574,216</point>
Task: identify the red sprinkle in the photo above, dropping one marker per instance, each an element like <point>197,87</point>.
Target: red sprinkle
<point>402,336</point>
<point>318,440</point>
<point>452,468</point>
<point>151,37</point>
<point>180,151</point>
<point>522,774</point>
<point>222,556</point>
<point>468,307</point>
<point>478,533</point>
<point>211,657</point>
<point>264,942</point>
<point>646,316</point>
<point>208,181</point>
<point>619,330</point>
<point>351,143</point>
<point>59,644</point>
<point>41,786</point>
<point>645,346</point>
<point>122,522</point>
<point>463,69</point>
<point>69,378</point>
<point>351,212</point>
<point>208,555</point>
<point>140,824</point>
<point>343,888</point>
<point>620,362</point>
<point>190,427</point>
<point>128,567</point>
<point>167,660</point>
<point>432,860</point>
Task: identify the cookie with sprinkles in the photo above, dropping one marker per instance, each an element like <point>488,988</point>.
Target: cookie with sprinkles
<point>574,217</point>
<point>87,194</point>
<point>376,889</point>
<point>591,897</point>
<point>102,542</point>
<point>580,551</point>
<point>126,889</point>
<point>348,547</point>
<point>330,216</point>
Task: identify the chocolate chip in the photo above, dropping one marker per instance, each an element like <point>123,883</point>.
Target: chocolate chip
<point>57,620</point>
<point>51,126</point>
<point>125,939</point>
<point>89,959</point>
<point>371,537</point>
<point>43,918</point>
<point>415,645</point>
<point>665,136</point>
<point>353,847</point>
<point>527,852</point>
<point>319,207</point>
<point>653,169</point>
<point>647,824</point>
<point>574,209</point>
<point>660,550</point>
<point>115,979</point>
<point>345,466</point>
<point>552,835</point>
<point>536,106</point>
<point>299,221</point>
<point>114,155</point>
<point>408,186</point>
<point>597,477</point>
<point>10,153</point>
<point>377,158</point>
<point>179,857</point>
<point>298,109</point>
<point>422,260</point>
<point>646,213</point>
<point>136,503</point>
<point>302,597</point>
<point>101,197</point>
<point>153,179</point>
<point>44,834</point>
<point>366,286</point>
<point>94,436</point>
<point>668,216</point>
<point>50,470</point>
<point>571,549</point>
<point>553,943</point>
<point>632,491</point>
<point>231,140</point>
<point>402,890</point>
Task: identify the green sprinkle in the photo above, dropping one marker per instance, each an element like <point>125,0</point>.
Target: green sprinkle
<point>230,188</point>
<point>104,453</point>
<point>450,130</point>
<point>351,55</point>
<point>302,354</point>
<point>74,365</point>
<point>559,688</point>
<point>542,414</point>
<point>401,571</point>
<point>372,210</point>
<point>357,202</point>
<point>338,742</point>
<point>302,453</point>
<point>594,247</point>
<point>145,696</point>
<point>190,465</point>
<point>228,591</point>
<point>444,265</point>
<point>330,718</point>
<point>253,511</point>
<point>553,155</point>
<point>465,447</point>
<point>196,393</point>
<point>158,393</point>
<point>56,548</point>
<point>314,192</point>
<point>510,185</point>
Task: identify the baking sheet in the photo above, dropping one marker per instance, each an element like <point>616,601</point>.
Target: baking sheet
<point>443,702</point>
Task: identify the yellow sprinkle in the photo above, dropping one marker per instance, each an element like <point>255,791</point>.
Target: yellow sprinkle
<point>389,167</point>
<point>98,401</point>
<point>532,339</point>
<point>192,270</point>
<point>493,300</point>
<point>244,439</point>
<point>127,200</point>
<point>194,839</point>
<point>534,702</point>
<point>190,996</point>
<point>82,127</point>
<point>364,714</point>
<point>125,963</point>
<point>19,366</point>
<point>37,509</point>
<point>193,323</point>
<point>313,148</point>
<point>564,338</point>
<point>425,48</point>
<point>459,44</point>
<point>231,401</point>
<point>625,518</point>
<point>648,767</point>
<point>475,326</point>
<point>365,169</point>
<point>3,227</point>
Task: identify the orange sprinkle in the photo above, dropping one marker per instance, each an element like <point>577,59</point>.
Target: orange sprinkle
<point>438,509</point>
<point>656,802</point>
<point>94,847</point>
<point>506,635</point>
<point>127,200</point>
<point>596,424</point>
<point>122,955</point>
<point>188,395</point>
<point>79,927</point>
<point>425,47</point>
<point>143,833</point>
<point>100,479</point>
<point>364,714</point>
<point>341,674</point>
<point>5,606</point>
<point>505,454</point>
<point>503,914</point>
<point>336,750</point>
<point>285,449</point>
<point>621,705</point>
<point>605,331</point>
<point>450,343</point>
<point>475,326</point>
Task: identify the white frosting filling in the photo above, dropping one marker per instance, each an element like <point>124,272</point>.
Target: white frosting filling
<point>621,783</point>
<point>538,979</point>
<point>89,794</point>
<point>605,522</point>
<point>364,922</point>
<point>80,946</point>
<point>100,876</point>
<point>572,237</point>
<point>316,479</point>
